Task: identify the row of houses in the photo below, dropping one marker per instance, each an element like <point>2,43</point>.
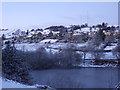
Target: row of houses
<point>63,33</point>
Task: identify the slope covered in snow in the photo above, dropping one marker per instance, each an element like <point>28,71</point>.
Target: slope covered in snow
<point>13,84</point>
<point>5,83</point>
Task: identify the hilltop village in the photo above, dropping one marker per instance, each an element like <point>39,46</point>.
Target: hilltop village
<point>72,34</point>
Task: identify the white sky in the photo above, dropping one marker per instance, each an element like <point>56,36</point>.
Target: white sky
<point>25,15</point>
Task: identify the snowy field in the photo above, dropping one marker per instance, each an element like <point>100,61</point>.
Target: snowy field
<point>35,46</point>
<point>54,48</point>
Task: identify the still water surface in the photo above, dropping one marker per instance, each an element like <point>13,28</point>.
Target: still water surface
<point>78,78</point>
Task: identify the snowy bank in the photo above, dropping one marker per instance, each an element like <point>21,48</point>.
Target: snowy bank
<point>96,66</point>
<point>12,84</point>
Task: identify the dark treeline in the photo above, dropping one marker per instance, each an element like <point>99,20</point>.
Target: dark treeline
<point>41,59</point>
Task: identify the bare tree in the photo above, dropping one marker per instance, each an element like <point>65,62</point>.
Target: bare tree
<point>110,38</point>
<point>95,51</point>
<point>98,38</point>
<point>68,56</point>
<point>116,51</point>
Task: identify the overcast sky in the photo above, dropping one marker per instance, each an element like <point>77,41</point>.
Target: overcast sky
<point>25,15</point>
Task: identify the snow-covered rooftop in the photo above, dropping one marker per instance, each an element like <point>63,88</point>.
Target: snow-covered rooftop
<point>75,34</point>
<point>87,29</point>
<point>45,32</point>
<point>109,47</point>
<point>49,40</point>
<point>55,32</point>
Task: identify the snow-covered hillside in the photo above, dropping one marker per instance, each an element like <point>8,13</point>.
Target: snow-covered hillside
<point>12,84</point>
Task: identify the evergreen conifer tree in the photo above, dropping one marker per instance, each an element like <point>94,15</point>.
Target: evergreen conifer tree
<point>13,67</point>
